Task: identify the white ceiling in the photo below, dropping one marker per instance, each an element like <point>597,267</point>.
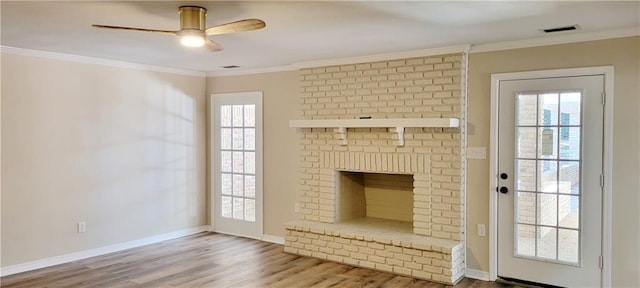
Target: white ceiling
<point>296,31</point>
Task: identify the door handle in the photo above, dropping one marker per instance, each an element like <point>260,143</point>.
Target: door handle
<point>504,190</point>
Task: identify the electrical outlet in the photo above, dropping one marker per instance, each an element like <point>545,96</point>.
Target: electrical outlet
<point>82,227</point>
<point>296,207</point>
<point>481,230</point>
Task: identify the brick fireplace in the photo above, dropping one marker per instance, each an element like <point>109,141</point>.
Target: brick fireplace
<point>378,202</point>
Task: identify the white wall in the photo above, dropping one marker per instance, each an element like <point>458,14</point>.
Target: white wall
<point>122,149</point>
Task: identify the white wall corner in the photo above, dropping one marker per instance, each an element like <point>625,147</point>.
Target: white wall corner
<point>47,262</point>
<point>477,274</point>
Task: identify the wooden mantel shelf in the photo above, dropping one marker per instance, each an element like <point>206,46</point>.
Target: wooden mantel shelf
<point>396,125</point>
<point>376,123</point>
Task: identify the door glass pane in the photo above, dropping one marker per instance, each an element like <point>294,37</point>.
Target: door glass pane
<point>568,208</point>
<point>225,138</point>
<point>250,186</point>
<point>225,161</point>
<point>526,243</point>
<point>238,138</point>
<point>568,245</point>
<point>526,142</point>
<point>547,176</point>
<point>526,207</point>
<point>226,184</point>
<point>548,109</point>
<point>250,210</point>
<point>237,115</point>
<point>238,185</point>
<point>250,162</point>
<point>238,208</point>
<point>569,177</point>
<point>225,116</point>
<point>570,108</point>
<point>238,162</point>
<point>570,143</point>
<point>249,139</point>
<point>546,242</point>
<point>547,209</point>
<point>526,106</point>
<point>226,207</point>
<point>548,143</point>
<point>526,175</point>
<point>249,115</point>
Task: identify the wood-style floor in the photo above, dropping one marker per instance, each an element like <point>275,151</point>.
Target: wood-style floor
<point>213,260</point>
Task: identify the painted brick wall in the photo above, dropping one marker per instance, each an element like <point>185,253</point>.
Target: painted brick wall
<point>418,87</point>
<point>408,88</point>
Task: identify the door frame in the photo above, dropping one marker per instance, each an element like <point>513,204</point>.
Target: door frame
<point>608,73</point>
<point>212,157</point>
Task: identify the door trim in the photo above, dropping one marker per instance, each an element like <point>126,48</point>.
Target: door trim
<point>212,157</point>
<point>608,72</point>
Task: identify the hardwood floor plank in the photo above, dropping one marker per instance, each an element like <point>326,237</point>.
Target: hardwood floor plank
<point>214,260</point>
<point>399,281</point>
<point>313,275</point>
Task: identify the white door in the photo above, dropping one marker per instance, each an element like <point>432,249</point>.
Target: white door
<point>550,159</point>
<point>236,161</point>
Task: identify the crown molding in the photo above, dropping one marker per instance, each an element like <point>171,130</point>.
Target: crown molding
<point>561,38</point>
<point>97,61</point>
<point>250,71</point>
<point>383,57</point>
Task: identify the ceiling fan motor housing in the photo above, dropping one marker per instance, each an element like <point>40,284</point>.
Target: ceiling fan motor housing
<point>193,18</point>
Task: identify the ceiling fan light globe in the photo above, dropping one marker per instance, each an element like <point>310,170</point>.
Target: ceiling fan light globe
<point>192,40</point>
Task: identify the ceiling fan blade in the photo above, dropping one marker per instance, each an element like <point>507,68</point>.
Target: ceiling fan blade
<point>213,46</point>
<point>237,26</point>
<point>135,29</point>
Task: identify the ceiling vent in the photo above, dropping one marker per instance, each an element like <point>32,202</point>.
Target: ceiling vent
<point>561,29</point>
<point>230,66</point>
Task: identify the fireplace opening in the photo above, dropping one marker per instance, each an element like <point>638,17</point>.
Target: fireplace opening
<point>374,195</point>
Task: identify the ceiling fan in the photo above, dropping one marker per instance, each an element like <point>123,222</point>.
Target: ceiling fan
<point>193,32</point>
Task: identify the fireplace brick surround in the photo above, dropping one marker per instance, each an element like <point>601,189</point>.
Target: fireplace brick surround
<point>431,246</point>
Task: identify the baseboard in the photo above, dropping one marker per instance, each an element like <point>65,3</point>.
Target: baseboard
<point>476,274</point>
<point>33,265</point>
<point>273,239</point>
<point>265,237</point>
